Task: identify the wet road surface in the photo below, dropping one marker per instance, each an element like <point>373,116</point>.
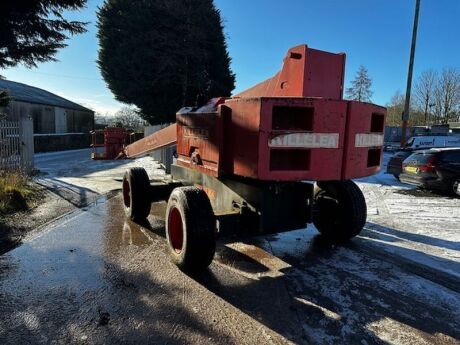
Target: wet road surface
<point>95,278</point>
<point>75,177</point>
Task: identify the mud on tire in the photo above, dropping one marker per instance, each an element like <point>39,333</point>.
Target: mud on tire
<point>340,210</point>
<point>136,194</point>
<point>190,229</point>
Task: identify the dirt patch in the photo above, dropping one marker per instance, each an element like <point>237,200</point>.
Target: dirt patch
<point>40,207</point>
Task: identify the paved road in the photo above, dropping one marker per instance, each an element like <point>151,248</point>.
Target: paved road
<point>418,228</point>
<point>95,278</point>
<point>75,177</point>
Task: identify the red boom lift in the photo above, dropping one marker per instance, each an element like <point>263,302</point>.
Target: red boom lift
<point>272,158</point>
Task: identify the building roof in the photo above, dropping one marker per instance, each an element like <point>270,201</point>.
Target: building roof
<point>30,94</point>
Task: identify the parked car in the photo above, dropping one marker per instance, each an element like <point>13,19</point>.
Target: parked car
<point>430,141</point>
<point>394,166</point>
<point>437,169</point>
<point>414,144</point>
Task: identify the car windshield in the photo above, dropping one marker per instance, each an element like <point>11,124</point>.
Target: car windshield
<point>402,154</point>
<point>420,157</point>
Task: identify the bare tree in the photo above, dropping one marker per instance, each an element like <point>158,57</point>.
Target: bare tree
<point>425,92</point>
<point>395,108</point>
<point>128,117</point>
<point>447,96</point>
<point>104,119</point>
<point>360,89</point>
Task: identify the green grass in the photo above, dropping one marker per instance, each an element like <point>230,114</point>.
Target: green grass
<point>15,190</point>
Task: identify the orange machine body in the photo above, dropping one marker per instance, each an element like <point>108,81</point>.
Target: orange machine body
<point>294,126</point>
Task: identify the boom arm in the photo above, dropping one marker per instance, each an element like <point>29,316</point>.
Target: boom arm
<point>163,138</point>
<point>306,72</point>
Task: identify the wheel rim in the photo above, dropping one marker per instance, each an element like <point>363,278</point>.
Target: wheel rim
<point>126,193</point>
<point>175,230</point>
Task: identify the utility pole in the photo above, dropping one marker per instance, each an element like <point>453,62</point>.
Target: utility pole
<point>405,117</point>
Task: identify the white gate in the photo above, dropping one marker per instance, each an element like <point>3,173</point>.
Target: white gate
<point>17,145</point>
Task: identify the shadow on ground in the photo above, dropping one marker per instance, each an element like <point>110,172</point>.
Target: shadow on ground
<point>127,291</point>
<point>125,308</point>
<point>335,293</point>
<point>391,235</point>
<point>9,238</point>
<point>76,195</point>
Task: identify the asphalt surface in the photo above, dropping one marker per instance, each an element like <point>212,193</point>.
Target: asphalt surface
<point>95,278</point>
<point>74,177</point>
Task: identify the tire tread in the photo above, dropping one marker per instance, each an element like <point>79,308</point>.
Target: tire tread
<point>140,204</point>
<point>352,211</point>
<point>200,245</point>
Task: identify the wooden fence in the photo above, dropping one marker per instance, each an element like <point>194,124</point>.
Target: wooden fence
<point>17,145</point>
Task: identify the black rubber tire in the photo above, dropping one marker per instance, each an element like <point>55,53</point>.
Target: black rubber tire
<point>454,189</point>
<point>339,211</point>
<point>197,247</point>
<point>136,194</point>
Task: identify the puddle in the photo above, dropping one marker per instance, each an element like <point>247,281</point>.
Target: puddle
<point>74,251</point>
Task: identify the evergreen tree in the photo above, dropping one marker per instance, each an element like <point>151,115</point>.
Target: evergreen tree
<point>33,31</point>
<point>160,55</point>
<point>360,89</point>
<point>4,98</point>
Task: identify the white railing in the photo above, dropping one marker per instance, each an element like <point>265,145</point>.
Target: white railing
<point>16,145</point>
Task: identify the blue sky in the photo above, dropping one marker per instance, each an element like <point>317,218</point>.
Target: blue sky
<point>374,33</point>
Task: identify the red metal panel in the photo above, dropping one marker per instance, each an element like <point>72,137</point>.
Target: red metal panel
<point>252,131</point>
<point>241,136</point>
<point>100,138</point>
<point>364,144</point>
<point>284,139</point>
<point>325,160</point>
<point>324,75</point>
<point>199,141</point>
<point>277,130</point>
<point>306,72</point>
<point>114,141</point>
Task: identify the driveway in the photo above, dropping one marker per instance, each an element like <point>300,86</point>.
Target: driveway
<point>94,278</point>
<point>75,177</point>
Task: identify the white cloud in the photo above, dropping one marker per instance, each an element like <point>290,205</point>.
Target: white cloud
<point>102,108</point>
<point>109,106</point>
